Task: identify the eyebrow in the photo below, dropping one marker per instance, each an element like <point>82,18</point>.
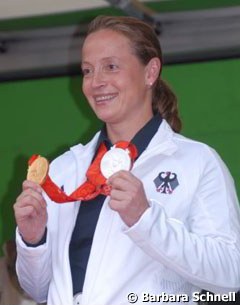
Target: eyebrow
<point>103,59</point>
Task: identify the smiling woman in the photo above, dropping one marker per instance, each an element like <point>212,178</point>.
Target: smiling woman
<point>130,67</point>
<point>168,223</point>
<point>115,81</point>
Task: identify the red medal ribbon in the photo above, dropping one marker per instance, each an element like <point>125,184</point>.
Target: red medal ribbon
<point>95,183</point>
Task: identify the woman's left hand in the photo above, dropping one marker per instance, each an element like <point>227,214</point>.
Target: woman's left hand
<point>127,196</point>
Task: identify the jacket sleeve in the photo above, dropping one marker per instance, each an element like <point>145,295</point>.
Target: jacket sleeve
<point>39,268</point>
<point>204,249</point>
<point>33,268</point>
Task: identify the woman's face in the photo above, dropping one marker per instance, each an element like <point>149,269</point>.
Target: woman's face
<point>114,80</point>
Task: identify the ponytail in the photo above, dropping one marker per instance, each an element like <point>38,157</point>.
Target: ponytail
<point>165,102</point>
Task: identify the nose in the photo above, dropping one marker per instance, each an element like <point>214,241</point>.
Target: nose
<point>98,79</point>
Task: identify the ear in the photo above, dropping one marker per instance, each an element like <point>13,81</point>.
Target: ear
<point>152,71</point>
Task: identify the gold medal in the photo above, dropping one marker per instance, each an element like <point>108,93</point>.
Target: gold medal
<point>38,170</point>
<point>120,157</point>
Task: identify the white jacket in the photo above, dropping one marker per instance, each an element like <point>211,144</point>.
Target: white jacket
<point>187,240</point>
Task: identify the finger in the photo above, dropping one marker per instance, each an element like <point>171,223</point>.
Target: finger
<point>132,184</point>
<point>25,212</point>
<point>121,206</point>
<point>124,175</point>
<point>31,192</point>
<point>28,202</point>
<point>29,196</point>
<point>116,205</point>
<point>119,195</point>
<point>32,185</point>
<point>120,183</point>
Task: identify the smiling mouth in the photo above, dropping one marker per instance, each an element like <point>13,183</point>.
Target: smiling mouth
<point>101,99</point>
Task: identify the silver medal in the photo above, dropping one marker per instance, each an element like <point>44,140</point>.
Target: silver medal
<point>114,160</point>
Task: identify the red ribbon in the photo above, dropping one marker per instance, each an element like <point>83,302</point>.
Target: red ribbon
<point>95,183</point>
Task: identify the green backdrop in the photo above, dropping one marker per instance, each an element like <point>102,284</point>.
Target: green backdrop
<point>46,116</point>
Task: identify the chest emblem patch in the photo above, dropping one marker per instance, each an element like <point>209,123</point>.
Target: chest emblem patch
<point>166,182</point>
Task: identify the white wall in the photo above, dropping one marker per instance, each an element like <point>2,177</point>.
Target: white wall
<point>23,8</point>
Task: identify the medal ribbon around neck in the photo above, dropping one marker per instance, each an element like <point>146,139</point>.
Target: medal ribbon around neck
<point>120,156</point>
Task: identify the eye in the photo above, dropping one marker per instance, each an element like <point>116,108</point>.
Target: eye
<point>86,71</point>
<point>111,67</point>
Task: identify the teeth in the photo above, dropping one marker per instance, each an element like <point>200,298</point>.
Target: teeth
<point>104,98</point>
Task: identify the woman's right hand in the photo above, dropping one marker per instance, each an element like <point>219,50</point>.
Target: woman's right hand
<point>30,211</point>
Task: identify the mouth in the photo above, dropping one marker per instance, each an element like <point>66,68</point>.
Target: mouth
<point>104,98</point>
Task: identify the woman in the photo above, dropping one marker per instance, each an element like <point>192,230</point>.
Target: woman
<point>155,232</point>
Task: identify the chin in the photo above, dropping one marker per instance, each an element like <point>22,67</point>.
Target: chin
<point>106,116</point>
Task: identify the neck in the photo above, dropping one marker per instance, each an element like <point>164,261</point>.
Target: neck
<point>126,131</point>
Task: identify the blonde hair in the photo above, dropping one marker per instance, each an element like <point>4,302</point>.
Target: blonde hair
<point>145,45</point>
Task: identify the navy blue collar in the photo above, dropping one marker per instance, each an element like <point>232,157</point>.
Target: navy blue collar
<point>141,139</point>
